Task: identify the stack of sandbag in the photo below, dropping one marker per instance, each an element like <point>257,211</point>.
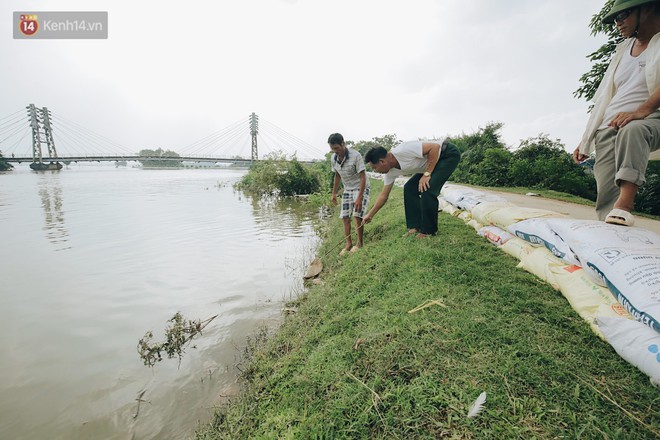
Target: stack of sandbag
<point>460,202</point>
<point>609,274</point>
<point>635,342</point>
<point>624,259</point>
<point>618,280</point>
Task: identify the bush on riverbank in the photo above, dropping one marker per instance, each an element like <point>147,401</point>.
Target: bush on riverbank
<point>352,362</point>
<point>4,165</point>
<point>279,176</point>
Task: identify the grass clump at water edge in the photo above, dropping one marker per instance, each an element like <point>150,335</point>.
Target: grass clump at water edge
<point>354,363</point>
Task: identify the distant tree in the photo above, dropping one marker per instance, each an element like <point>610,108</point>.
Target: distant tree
<point>541,162</point>
<point>157,161</point>
<point>601,58</point>
<point>493,170</point>
<point>475,148</point>
<point>648,196</point>
<point>387,141</point>
<point>4,165</point>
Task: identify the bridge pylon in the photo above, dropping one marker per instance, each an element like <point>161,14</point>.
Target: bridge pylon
<point>40,120</point>
<point>254,130</point>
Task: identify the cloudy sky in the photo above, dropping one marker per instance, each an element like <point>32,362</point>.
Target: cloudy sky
<point>173,72</point>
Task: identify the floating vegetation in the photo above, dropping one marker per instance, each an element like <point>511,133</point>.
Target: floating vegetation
<point>177,335</point>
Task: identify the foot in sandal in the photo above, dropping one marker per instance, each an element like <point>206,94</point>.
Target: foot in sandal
<point>620,217</point>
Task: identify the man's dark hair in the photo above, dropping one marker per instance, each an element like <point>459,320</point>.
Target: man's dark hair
<point>375,154</point>
<point>336,139</point>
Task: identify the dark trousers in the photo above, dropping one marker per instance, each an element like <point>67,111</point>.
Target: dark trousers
<point>422,208</point>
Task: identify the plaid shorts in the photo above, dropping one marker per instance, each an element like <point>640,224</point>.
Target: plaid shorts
<point>348,203</point>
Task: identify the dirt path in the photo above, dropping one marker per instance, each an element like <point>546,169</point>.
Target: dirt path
<point>571,209</point>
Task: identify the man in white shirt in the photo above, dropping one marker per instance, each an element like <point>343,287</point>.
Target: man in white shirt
<point>624,126</point>
<point>431,164</point>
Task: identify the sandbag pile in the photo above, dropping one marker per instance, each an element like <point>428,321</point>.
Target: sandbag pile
<point>609,274</point>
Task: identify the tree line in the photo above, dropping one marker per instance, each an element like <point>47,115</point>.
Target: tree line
<point>537,163</point>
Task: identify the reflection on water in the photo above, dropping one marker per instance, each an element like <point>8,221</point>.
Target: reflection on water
<point>50,191</point>
<point>140,246</point>
<point>281,217</point>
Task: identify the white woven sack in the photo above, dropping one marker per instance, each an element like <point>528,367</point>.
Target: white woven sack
<point>539,232</point>
<point>634,342</point>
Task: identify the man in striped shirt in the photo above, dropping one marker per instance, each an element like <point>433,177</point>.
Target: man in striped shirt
<point>348,166</point>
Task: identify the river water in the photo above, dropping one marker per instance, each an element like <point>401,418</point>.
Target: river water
<point>93,257</point>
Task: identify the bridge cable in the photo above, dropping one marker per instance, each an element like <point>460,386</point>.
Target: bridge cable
<point>68,142</point>
<point>8,124</point>
<point>91,134</point>
<point>217,137</point>
<point>13,114</point>
<point>25,133</point>
<point>16,129</point>
<point>82,140</point>
<point>203,143</point>
<point>289,138</point>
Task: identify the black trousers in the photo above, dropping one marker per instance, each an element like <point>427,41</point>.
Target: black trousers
<point>422,208</point>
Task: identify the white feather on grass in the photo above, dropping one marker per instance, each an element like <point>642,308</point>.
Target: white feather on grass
<point>477,406</point>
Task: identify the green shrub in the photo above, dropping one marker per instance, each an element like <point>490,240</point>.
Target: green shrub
<point>280,177</point>
<point>483,155</point>
<point>4,165</point>
<point>544,163</point>
<point>648,197</point>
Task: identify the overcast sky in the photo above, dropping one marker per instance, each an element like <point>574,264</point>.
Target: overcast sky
<point>173,72</point>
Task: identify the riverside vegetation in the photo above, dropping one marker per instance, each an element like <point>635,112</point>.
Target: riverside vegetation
<point>4,165</point>
<point>361,359</point>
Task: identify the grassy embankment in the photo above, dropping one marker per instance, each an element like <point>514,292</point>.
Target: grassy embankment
<point>354,363</point>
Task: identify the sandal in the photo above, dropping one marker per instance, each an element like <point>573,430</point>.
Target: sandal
<point>620,217</point>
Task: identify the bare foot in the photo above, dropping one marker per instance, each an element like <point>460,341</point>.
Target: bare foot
<point>355,249</point>
<point>411,232</point>
<point>420,235</point>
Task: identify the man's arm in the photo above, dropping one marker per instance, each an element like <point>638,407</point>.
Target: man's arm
<point>363,185</point>
<point>649,106</point>
<point>335,186</point>
<point>577,156</point>
<point>380,201</point>
<point>432,151</point>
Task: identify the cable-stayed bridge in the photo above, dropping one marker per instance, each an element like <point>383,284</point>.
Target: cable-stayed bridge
<point>45,140</point>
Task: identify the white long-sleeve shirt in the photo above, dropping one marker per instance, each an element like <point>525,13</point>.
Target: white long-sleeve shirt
<point>606,89</point>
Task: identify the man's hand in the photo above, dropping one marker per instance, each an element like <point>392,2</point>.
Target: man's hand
<point>358,204</point>
<point>577,156</point>
<point>367,219</point>
<point>622,119</point>
<point>334,199</point>
<point>424,183</point>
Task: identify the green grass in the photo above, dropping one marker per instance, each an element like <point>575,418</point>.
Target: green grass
<point>414,375</point>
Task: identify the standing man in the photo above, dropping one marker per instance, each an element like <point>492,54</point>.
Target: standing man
<point>431,163</point>
<point>624,127</point>
<point>349,169</point>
